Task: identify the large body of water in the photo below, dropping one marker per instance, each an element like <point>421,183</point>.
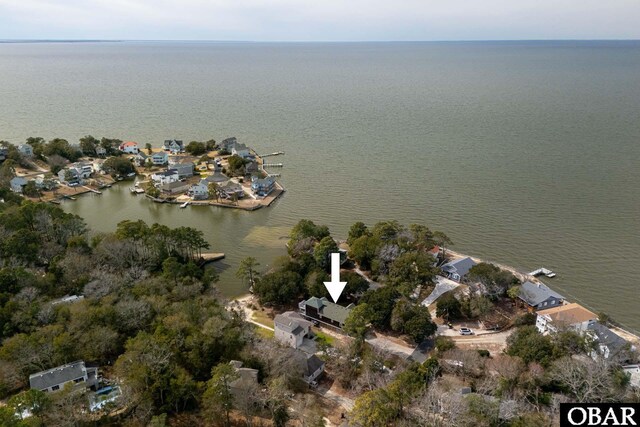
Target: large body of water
<point>524,153</point>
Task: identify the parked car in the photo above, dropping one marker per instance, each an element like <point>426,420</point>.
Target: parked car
<point>466,331</point>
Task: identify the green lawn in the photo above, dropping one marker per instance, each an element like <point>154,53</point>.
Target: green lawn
<point>262,318</point>
<point>328,338</point>
<point>264,332</point>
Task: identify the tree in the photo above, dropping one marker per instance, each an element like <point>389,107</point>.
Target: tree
<point>442,240</point>
<point>210,145</point>
<point>419,326</point>
<point>514,292</point>
<point>531,346</point>
<point>357,321</point>
<point>307,229</point>
<point>118,166</point>
<point>357,230</point>
<point>410,270</point>
<point>214,191</point>
<point>448,307</point>
<point>149,148</point>
<point>218,396</point>
<point>88,145</point>
<point>195,148</point>
<point>381,302</point>
<point>172,269</point>
<point>31,190</point>
<point>495,280</point>
<point>363,250</point>
<point>247,269</point>
<point>323,250</point>
<point>279,287</point>
<point>236,165</point>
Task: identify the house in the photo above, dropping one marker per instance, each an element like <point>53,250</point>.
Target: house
<point>84,169</point>
<point>129,147</point>
<point>240,150</point>
<point>569,316</point>
<point>17,184</point>
<point>231,189</point>
<point>608,343</point>
<point>313,368</point>
<point>247,378</point>
<point>70,176</point>
<point>43,183</point>
<point>100,151</point>
<point>54,379</point>
<point>25,150</point>
<point>141,159</point>
<point>226,144</point>
<point>174,187</point>
<point>200,191</point>
<point>458,269</point>
<point>262,187</point>
<point>539,296</point>
<point>174,146</point>
<point>251,168</point>
<point>184,169</point>
<point>165,177</point>
<point>291,328</point>
<point>323,310</point>
<point>633,371</point>
<point>159,158</point>
<point>434,251</point>
<point>4,152</point>
<point>217,178</point>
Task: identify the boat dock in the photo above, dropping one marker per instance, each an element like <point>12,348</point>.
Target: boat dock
<point>278,153</point>
<point>273,165</point>
<point>542,271</point>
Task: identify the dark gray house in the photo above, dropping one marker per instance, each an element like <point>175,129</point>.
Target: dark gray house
<point>608,343</point>
<point>539,296</point>
<point>184,169</point>
<point>458,269</point>
<point>55,379</point>
<point>323,310</point>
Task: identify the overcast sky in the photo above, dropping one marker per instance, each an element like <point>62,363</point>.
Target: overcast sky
<point>331,20</point>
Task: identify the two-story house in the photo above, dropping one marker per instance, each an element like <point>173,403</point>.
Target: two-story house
<point>165,177</point>
<point>25,150</point>
<point>160,158</point>
<point>291,328</point>
<point>458,269</point>
<point>325,311</point>
<point>262,187</point>
<point>569,316</point>
<point>174,146</point>
<point>129,147</point>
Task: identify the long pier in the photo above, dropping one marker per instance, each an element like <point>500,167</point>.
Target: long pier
<point>273,165</point>
<point>208,257</point>
<point>278,153</point>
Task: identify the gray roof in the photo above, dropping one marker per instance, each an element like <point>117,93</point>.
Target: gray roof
<point>18,180</point>
<point>217,177</point>
<point>535,293</point>
<point>239,146</point>
<point>461,266</point>
<point>313,364</point>
<point>169,172</point>
<point>246,376</point>
<point>56,376</point>
<point>175,184</point>
<point>291,322</point>
<point>607,337</point>
<point>328,309</point>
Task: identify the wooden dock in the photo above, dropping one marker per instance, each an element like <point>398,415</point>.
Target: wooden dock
<point>543,271</point>
<point>272,165</point>
<point>278,153</point>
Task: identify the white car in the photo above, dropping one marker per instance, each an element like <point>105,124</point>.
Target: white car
<point>466,331</point>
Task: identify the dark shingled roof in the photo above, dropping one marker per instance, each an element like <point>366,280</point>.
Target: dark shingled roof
<point>534,293</point>
<point>461,266</point>
<point>607,337</point>
<point>55,376</point>
<point>313,364</point>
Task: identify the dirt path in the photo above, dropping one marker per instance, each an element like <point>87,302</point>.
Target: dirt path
<point>243,305</point>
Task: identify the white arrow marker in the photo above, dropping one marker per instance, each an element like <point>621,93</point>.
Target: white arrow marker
<point>335,286</point>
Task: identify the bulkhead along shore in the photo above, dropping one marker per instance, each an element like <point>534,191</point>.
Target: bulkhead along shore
<point>227,174</point>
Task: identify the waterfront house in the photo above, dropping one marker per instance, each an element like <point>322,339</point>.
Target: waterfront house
<point>291,328</point>
<point>200,191</point>
<point>70,176</point>
<point>184,169</point>
<point>174,146</point>
<point>141,159</point>
<point>159,158</point>
<point>240,150</point>
<point>25,150</point>
<point>129,147</point>
<point>101,151</point>
<point>313,368</point>
<point>84,170</point>
<point>569,316</point>
<point>57,378</point>
<point>263,186</point>
<point>174,187</point>
<point>539,296</point>
<point>43,183</point>
<point>4,151</point>
<point>608,344</point>
<point>231,189</point>
<point>217,178</point>
<point>324,311</point>
<point>227,143</point>
<point>17,184</point>
<point>165,177</point>
<point>458,269</point>
<point>247,378</point>
<point>251,168</point>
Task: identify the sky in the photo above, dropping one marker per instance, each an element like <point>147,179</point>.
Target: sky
<point>320,20</point>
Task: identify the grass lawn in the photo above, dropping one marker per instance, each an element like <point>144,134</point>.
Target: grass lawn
<point>328,338</point>
<point>262,318</point>
<point>264,332</point>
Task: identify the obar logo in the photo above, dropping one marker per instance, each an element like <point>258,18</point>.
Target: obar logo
<point>599,414</point>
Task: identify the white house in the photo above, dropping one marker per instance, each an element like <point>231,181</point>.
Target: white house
<point>165,177</point>
<point>101,151</point>
<point>240,150</point>
<point>174,146</point>
<point>26,150</point>
<point>159,158</point>
<point>129,147</point>
<point>569,316</point>
<point>291,328</point>
<point>200,190</point>
<point>633,371</point>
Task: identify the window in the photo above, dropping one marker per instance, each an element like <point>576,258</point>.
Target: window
<point>553,301</point>
<point>78,380</point>
<point>55,387</point>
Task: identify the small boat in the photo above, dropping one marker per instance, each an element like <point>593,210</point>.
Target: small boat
<point>184,205</point>
<point>131,174</point>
